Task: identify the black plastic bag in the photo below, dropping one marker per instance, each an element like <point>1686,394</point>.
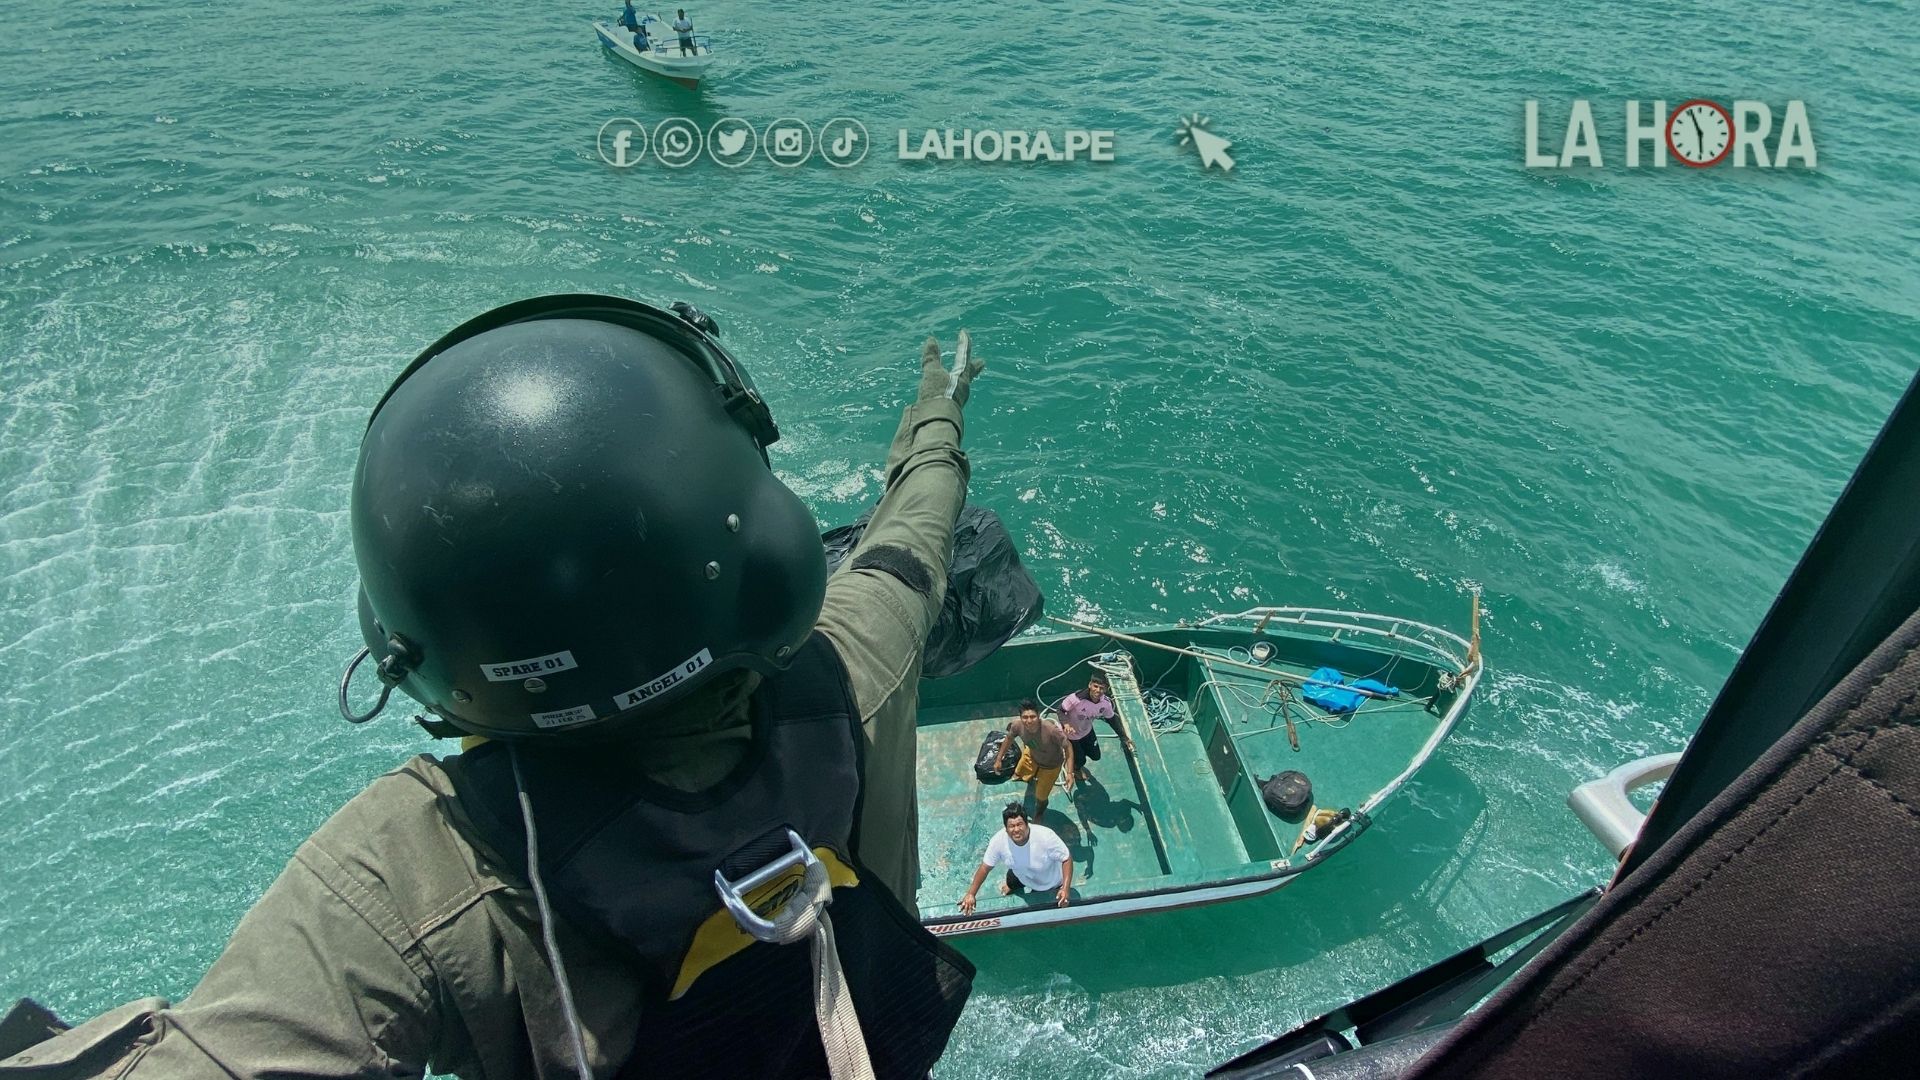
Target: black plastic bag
<point>983,768</point>
<point>990,596</point>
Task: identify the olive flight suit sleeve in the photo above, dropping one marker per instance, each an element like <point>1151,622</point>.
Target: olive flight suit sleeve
<point>387,947</point>
<point>309,985</point>
<point>882,603</point>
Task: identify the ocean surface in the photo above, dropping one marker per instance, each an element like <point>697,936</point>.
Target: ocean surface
<point>1380,364</point>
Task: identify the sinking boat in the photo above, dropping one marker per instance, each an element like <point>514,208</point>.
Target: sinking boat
<point>1213,709</point>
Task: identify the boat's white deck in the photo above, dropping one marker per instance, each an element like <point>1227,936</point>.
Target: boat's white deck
<point>664,56</point>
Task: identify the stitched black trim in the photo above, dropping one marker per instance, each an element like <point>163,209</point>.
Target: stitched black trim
<point>1551,1002</point>
<point>1840,762</point>
<point>898,561</point>
<point>1898,800</point>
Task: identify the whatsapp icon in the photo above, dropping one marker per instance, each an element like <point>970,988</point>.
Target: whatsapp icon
<point>677,142</point>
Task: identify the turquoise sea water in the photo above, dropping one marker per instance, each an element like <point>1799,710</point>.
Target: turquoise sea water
<point>1378,365</point>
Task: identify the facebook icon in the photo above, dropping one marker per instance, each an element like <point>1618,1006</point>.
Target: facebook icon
<point>622,142</point>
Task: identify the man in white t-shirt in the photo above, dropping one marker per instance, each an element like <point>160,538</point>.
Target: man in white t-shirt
<point>684,27</point>
<point>1034,855</point>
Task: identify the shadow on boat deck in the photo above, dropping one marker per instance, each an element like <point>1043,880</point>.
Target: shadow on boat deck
<point>1408,861</point>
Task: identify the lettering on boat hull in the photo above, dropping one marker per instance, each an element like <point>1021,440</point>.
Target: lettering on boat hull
<point>964,927</point>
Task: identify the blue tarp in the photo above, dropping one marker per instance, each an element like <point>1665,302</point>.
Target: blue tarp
<point>1331,691</point>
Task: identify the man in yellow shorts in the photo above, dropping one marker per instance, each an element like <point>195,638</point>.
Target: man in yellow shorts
<point>1045,752</point>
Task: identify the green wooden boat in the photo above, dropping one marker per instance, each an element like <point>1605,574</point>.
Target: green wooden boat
<point>1213,709</point>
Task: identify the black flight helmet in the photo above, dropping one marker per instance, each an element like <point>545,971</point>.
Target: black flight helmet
<point>564,521</point>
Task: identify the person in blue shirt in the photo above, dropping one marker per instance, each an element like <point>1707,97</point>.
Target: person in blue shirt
<point>640,41</point>
<point>629,18</point>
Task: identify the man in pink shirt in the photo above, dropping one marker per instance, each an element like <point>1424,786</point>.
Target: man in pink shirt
<point>1078,711</point>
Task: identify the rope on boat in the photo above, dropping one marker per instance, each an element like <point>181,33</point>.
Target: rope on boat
<point>1252,669</point>
<point>1273,677</point>
<point>1039,690</point>
<point>1166,712</point>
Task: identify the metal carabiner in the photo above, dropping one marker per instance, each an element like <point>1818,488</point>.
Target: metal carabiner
<point>732,893</point>
<point>386,689</point>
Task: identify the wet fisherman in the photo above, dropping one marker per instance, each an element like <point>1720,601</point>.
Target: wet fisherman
<point>573,551</point>
<point>629,18</point>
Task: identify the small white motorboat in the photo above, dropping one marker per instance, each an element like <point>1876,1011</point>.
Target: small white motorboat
<point>666,58</point>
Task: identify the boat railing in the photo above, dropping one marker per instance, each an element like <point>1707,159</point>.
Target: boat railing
<point>1431,642</point>
<point>667,44</point>
<point>1418,639</point>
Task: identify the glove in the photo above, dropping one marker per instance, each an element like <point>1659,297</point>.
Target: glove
<point>937,382</point>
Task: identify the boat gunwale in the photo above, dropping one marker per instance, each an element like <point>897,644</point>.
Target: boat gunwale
<point>1288,616</point>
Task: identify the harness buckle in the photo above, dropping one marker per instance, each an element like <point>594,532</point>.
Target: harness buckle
<point>733,893</point>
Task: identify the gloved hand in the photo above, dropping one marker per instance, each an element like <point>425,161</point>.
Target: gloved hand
<point>937,382</point>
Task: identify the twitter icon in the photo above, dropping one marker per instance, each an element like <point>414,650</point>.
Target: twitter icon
<point>731,142</point>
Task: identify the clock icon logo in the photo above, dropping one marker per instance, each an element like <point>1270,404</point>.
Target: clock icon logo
<point>1700,133</point>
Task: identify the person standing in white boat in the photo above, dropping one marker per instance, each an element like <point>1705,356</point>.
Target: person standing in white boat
<point>684,27</point>
<point>1034,855</point>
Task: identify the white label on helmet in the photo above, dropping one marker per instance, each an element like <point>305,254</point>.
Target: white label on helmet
<point>514,670</point>
<point>660,685</point>
<point>579,714</point>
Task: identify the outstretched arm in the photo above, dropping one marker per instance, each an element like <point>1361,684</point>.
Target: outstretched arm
<point>884,599</point>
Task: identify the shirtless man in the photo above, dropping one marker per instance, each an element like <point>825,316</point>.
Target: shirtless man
<point>1045,754</point>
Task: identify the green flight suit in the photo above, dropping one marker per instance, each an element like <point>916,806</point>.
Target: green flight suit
<point>394,940</point>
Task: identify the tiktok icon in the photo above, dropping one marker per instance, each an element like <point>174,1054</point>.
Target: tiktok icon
<point>843,142</point>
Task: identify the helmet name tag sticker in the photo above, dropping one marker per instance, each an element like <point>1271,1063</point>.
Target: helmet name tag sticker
<point>515,670</point>
<point>579,714</point>
<point>656,686</point>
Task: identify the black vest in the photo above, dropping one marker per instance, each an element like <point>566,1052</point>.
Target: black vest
<point>635,862</point>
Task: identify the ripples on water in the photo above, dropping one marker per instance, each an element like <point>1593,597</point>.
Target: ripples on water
<point>1378,366</point>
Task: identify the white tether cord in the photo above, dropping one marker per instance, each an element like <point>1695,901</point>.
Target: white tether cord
<point>833,1010</point>
<point>546,923</point>
<point>806,916</point>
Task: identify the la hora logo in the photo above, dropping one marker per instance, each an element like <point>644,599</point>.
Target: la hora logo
<point>1699,133</point>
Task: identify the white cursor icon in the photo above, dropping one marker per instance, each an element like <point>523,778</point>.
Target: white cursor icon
<point>1212,148</point>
